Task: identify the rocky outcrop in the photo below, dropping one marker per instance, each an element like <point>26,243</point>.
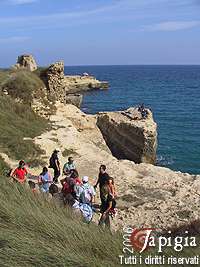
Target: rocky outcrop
<point>148,196</point>
<point>129,136</point>
<point>26,62</point>
<point>74,99</point>
<point>55,81</point>
<point>78,83</point>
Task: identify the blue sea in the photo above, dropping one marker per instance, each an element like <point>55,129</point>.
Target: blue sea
<point>173,94</point>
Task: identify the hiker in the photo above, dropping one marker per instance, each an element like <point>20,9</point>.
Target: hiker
<point>111,185</point>
<point>69,184</point>
<point>107,207</point>
<point>141,107</point>
<point>85,193</point>
<point>83,209</point>
<point>45,180</point>
<point>20,173</point>
<point>53,189</point>
<point>113,193</point>
<point>75,179</point>
<point>69,166</point>
<point>144,112</point>
<point>103,177</point>
<point>32,186</point>
<point>55,165</point>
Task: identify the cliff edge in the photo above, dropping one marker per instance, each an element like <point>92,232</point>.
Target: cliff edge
<point>129,136</point>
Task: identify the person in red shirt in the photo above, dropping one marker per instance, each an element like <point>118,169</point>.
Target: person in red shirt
<point>20,173</point>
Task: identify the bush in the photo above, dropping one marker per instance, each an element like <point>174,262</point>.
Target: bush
<point>23,85</point>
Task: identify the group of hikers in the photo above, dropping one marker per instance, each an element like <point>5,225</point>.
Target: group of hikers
<point>75,192</point>
<point>144,112</point>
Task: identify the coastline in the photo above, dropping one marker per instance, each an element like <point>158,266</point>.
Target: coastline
<point>144,190</point>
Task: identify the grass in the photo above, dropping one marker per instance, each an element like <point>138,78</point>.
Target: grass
<point>16,122</point>
<point>4,168</point>
<point>25,86</point>
<point>21,84</point>
<point>35,232</point>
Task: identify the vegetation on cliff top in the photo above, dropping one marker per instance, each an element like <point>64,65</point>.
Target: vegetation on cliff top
<point>17,119</point>
<point>16,122</point>
<point>21,84</point>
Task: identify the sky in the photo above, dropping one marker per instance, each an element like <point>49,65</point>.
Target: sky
<point>101,32</point>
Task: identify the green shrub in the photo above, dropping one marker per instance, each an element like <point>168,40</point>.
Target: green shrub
<point>23,85</point>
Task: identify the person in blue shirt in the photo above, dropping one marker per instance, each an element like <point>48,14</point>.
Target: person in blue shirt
<point>45,180</point>
<point>69,166</point>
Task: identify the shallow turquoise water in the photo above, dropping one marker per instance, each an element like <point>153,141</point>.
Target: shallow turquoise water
<point>173,94</point>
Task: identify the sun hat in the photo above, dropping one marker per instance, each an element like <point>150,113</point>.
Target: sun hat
<point>85,179</point>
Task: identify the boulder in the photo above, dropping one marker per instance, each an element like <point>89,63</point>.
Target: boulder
<point>74,99</point>
<point>129,136</point>
<point>26,62</point>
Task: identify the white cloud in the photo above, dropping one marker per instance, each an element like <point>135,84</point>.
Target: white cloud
<point>172,26</point>
<point>14,39</point>
<point>22,2</point>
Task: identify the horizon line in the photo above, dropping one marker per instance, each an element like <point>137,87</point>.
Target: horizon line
<point>113,65</point>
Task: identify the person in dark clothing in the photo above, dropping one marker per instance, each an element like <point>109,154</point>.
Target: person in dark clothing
<point>141,107</point>
<point>106,206</point>
<point>144,112</point>
<point>55,165</point>
<point>102,179</point>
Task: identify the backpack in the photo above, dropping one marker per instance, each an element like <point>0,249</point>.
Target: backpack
<point>51,162</point>
<point>85,196</point>
<point>67,188</point>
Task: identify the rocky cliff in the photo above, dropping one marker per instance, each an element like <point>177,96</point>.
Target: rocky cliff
<point>129,136</point>
<point>148,196</point>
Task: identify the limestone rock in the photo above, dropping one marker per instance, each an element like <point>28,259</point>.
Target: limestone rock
<point>55,80</point>
<point>26,62</point>
<point>78,83</point>
<point>74,99</point>
<point>128,136</point>
<point>148,196</point>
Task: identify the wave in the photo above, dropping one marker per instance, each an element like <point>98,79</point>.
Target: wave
<point>164,160</point>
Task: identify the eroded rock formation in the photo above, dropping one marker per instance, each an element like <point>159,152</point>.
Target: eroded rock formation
<point>74,99</point>
<point>148,196</point>
<point>129,136</point>
<point>55,80</point>
<point>26,62</point>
